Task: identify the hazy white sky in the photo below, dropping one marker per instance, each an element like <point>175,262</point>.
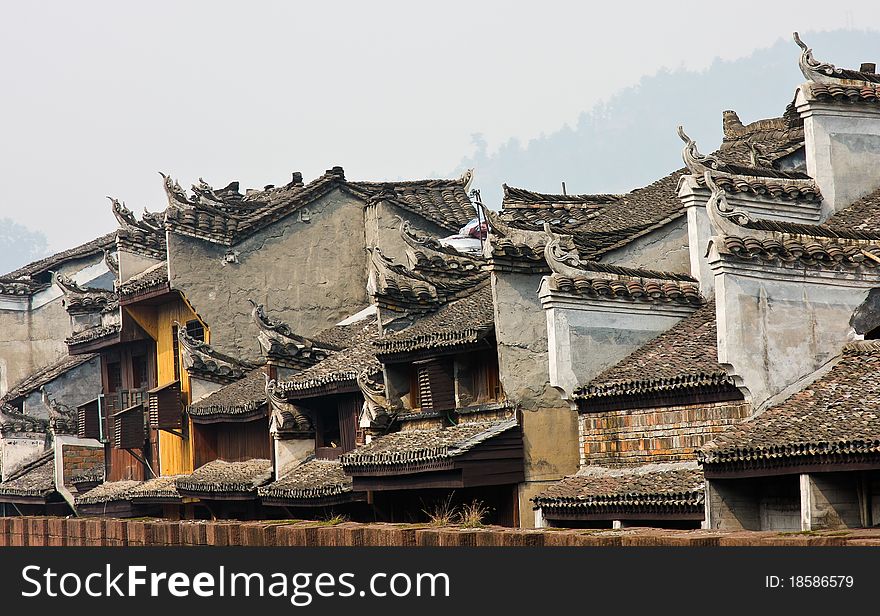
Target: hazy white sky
<point>99,96</point>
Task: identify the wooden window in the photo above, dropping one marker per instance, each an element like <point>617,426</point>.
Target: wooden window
<point>165,406</point>
<point>434,385</point>
<point>140,372</point>
<point>128,427</point>
<point>485,385</point>
<point>114,376</point>
<point>195,330</point>
<point>175,349</point>
<point>88,420</point>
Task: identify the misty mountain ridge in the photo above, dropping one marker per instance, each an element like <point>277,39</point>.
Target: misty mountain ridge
<point>630,141</point>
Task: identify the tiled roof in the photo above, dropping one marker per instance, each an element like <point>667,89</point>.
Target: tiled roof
<point>613,282</point>
<point>107,492</point>
<point>443,202</point>
<point>35,479</point>
<point>311,482</point>
<point>849,93</point>
<point>653,488</point>
<point>835,417</point>
<point>461,322</point>
<point>281,344</point>
<point>241,398</point>
<point>33,382</point>
<point>159,488</point>
<point>94,247</point>
<point>424,445</point>
<point>863,215</point>
<point>145,236</point>
<point>11,421</point>
<point>227,217</point>
<point>684,356</point>
<point>220,478</point>
<point>597,223</point>
<point>93,334</point>
<point>153,278</point>
<point>779,243</point>
<point>340,368</point>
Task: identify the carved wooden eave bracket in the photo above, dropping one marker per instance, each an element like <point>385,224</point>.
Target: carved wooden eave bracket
<point>201,360</point>
<point>278,340</point>
<point>375,414</point>
<point>286,417</point>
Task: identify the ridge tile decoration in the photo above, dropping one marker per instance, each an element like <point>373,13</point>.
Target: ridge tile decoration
<point>428,256</point>
<point>819,246</point>
<point>622,493</point>
<point>832,421</point>
<point>280,344</point>
<point>145,236</point>
<point>828,74</point>
<point>591,279</point>
<point>227,217</point>
<point>314,483</point>
<point>680,364</point>
<point>200,360</point>
<point>757,178</point>
<point>226,480</point>
<point>12,421</point>
<point>79,299</point>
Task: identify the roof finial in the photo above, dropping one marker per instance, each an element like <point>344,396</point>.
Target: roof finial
<point>696,162</point>
<point>811,68</point>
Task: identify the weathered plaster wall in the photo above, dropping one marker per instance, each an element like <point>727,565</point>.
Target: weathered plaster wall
<point>309,274</point>
<point>642,436</point>
<point>842,149</point>
<point>383,229</point>
<point>33,329</point>
<point>549,425</point>
<point>775,328</point>
<point>831,500</point>
<point>132,263</point>
<point>18,449</point>
<point>77,386</point>
<point>665,249</point>
<point>290,453</point>
<point>588,335</point>
<point>768,503</point>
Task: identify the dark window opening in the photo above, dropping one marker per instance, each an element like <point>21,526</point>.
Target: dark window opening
<point>114,376</point>
<point>874,334</point>
<point>195,330</point>
<point>140,371</point>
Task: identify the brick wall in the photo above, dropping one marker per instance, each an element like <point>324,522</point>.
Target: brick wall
<point>77,459</point>
<point>45,531</point>
<point>668,434</point>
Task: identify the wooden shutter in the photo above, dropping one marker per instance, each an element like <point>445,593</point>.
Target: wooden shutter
<point>436,385</point>
<point>128,428</point>
<point>165,406</point>
<point>88,420</point>
<point>349,411</point>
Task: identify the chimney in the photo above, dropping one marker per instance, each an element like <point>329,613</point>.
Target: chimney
<point>337,171</point>
<point>297,178</point>
<point>868,67</point>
